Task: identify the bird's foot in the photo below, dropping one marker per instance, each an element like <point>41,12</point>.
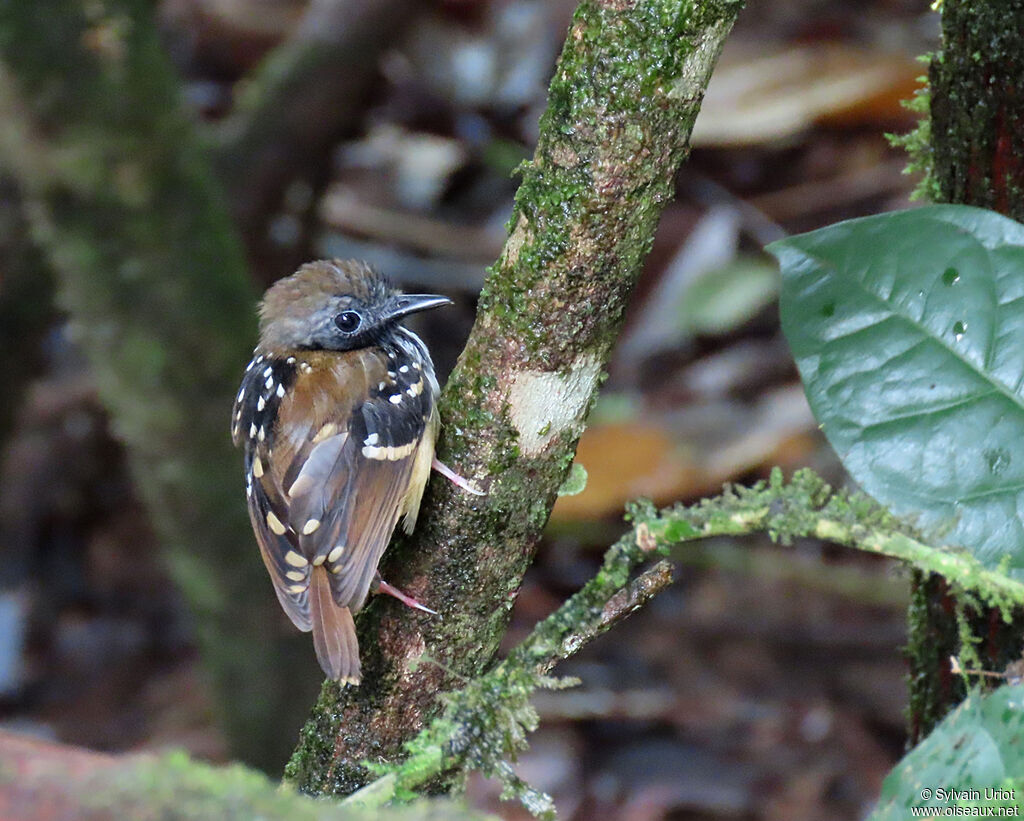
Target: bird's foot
<point>455,479</point>
<point>381,586</point>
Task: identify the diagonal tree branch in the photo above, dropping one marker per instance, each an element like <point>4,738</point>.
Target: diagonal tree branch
<point>621,106</point>
<point>483,725</point>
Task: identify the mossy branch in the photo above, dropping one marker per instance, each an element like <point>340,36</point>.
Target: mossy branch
<point>485,723</point>
<point>621,106</point>
<point>808,507</point>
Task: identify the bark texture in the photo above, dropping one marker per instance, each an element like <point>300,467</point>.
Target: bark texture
<point>977,105</point>
<point>121,198</point>
<point>621,105</point>
<point>976,158</point>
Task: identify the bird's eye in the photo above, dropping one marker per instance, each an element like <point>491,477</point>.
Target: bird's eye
<point>348,321</point>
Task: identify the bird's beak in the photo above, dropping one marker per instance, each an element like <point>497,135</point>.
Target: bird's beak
<point>405,304</point>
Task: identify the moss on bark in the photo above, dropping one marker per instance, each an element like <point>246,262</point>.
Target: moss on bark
<point>623,99</point>
<point>977,105</point>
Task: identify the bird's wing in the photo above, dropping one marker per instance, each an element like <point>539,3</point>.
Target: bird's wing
<point>342,466</point>
<point>264,386</point>
<point>333,446</point>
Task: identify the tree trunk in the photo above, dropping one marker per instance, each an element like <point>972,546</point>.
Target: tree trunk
<point>149,268</point>
<point>621,105</point>
<point>977,158</point>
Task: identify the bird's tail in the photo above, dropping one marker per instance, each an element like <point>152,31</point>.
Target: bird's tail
<point>334,633</point>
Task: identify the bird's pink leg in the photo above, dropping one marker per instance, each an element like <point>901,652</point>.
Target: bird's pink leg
<point>455,479</point>
<point>381,586</point>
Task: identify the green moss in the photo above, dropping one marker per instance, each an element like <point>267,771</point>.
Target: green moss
<point>486,721</point>
<point>931,640</point>
<point>918,143</point>
<point>970,147</point>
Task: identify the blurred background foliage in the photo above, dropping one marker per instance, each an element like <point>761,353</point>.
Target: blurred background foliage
<point>161,163</point>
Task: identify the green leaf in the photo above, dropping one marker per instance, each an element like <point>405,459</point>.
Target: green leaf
<point>575,482</point>
<point>908,330</point>
<point>976,751</point>
<point>724,298</point>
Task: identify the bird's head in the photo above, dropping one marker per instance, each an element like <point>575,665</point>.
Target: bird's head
<point>335,305</point>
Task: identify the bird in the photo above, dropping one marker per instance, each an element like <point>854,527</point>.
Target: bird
<point>337,416</point>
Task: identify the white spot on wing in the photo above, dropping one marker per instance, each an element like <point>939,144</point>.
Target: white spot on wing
<point>335,554</point>
<point>275,524</point>
<point>391,454</point>
<point>294,559</point>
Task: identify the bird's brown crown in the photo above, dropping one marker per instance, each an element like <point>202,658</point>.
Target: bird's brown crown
<point>296,310</point>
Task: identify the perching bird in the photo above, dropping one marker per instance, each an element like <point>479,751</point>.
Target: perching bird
<point>337,412</point>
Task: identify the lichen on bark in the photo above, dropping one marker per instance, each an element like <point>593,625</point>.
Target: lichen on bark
<point>621,105</point>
